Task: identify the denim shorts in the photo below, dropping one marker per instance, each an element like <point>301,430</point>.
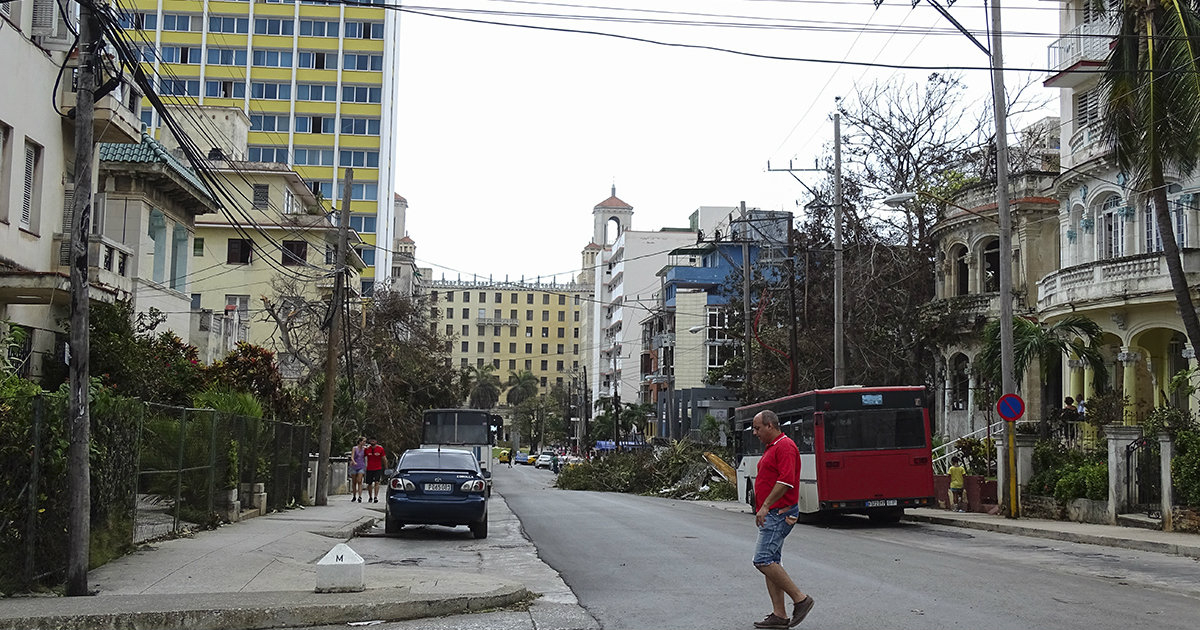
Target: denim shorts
<point>355,470</point>
<point>769,549</point>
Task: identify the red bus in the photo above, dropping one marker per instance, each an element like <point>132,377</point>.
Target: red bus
<point>863,450</point>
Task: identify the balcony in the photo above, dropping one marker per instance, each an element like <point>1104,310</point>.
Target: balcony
<point>1087,143</point>
<point>118,113</point>
<point>1116,278</point>
<point>496,321</point>
<point>962,313</point>
<point>1085,47</point>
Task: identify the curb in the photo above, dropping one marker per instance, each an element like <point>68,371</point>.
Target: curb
<point>1090,539</point>
<point>246,611</point>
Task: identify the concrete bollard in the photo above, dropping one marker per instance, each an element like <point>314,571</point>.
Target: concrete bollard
<point>340,571</point>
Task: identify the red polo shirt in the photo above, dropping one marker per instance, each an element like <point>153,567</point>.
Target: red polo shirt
<point>779,464</point>
<point>374,455</point>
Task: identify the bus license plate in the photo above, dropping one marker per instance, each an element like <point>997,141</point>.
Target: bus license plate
<point>882,503</point>
<point>438,487</point>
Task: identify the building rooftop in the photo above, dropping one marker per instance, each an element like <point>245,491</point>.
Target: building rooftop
<point>149,151</point>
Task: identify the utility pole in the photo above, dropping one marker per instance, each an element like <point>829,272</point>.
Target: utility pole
<point>585,407</point>
<point>335,308</point>
<point>791,268</point>
<point>78,408</point>
<point>748,327</point>
<point>839,317</point>
<point>1012,507</point>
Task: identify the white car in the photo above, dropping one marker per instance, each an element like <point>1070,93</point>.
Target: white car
<point>543,460</point>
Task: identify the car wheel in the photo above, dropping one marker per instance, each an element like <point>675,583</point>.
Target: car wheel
<point>392,527</point>
<point>480,529</point>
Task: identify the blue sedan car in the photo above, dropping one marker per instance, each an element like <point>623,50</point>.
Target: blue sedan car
<point>437,487</point>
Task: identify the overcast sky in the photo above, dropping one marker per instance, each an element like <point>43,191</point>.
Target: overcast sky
<point>508,137</point>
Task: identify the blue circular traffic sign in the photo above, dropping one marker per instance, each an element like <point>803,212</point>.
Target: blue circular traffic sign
<point>1010,407</point>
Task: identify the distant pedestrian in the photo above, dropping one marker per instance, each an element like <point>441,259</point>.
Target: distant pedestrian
<point>512,454</point>
<point>957,475</point>
<point>358,467</point>
<point>1080,408</point>
<point>375,455</point>
<point>1069,406</point>
<point>776,493</point>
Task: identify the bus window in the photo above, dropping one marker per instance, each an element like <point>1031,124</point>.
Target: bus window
<point>805,437</point>
<point>876,429</point>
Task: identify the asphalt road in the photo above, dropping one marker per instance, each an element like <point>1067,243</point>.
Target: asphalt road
<point>643,562</point>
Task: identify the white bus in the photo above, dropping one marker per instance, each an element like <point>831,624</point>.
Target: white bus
<point>472,430</point>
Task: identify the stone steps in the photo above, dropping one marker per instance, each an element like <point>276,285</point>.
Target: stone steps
<point>1139,519</point>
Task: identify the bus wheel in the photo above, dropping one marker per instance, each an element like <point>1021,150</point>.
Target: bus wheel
<point>889,515</point>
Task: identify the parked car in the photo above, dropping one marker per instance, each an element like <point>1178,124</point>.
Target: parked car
<point>505,455</point>
<point>520,458</point>
<point>544,460</point>
<point>432,487</point>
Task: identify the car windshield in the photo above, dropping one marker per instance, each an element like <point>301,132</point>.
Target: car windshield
<point>445,460</point>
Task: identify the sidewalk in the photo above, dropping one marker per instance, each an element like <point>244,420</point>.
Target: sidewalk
<point>258,573</point>
<point>1106,535</point>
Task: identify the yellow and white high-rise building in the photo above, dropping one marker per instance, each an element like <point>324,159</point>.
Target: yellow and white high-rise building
<point>317,80</point>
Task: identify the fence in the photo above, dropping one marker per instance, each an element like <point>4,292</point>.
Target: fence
<point>155,471</point>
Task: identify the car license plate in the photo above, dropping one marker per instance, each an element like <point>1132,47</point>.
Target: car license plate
<point>438,487</point>
<point>881,503</point>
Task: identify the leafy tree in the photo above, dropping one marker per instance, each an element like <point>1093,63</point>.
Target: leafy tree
<point>127,356</point>
<point>485,391</point>
<point>252,369</point>
<point>1075,336</point>
<point>522,386</point>
<point>1152,114</point>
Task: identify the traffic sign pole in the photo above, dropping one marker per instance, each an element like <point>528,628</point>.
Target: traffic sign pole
<point>1010,407</point>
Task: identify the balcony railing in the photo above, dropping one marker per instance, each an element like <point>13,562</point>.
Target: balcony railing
<point>1086,143</point>
<point>496,321</point>
<point>1089,41</point>
<point>1142,274</point>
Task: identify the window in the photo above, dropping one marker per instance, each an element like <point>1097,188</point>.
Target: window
<point>545,316</point>
<point>512,298</point>
<point>1087,108</point>
<point>295,252</point>
<point>529,298</point>
<point>512,348</point>
<point>359,61</point>
<point>545,332</point>
<point>575,348</point>
<point>238,302</point>
<point>479,345</point>
<point>238,251</point>
<point>529,315</point>
<point>496,363</point>
<point>264,26</point>
<point>496,346</point>
<point>196,301</point>
<point>318,60</point>
<point>562,316</point>
<point>561,332</point>
<point>368,255</point>
<point>236,25</point>
<point>466,330</point>
<point>576,333</point>
<point>449,313</point>
<point>179,87</point>
<point>545,348</point>
<point>268,154</point>
<point>545,366</point>
<point>528,331</point>
<point>466,347</point>
<point>226,56</point>
<point>466,296</point>
<point>312,157</point>
<point>30,195</point>
<point>224,89</point>
<point>482,297</point>
<point>512,314</point>
<point>559,349</point>
<point>172,22</point>
<point>360,126</point>
<point>528,348</point>
<point>1112,228</point>
<point>512,364</point>
<point>368,288</point>
<point>466,313</point>
<point>449,296</point>
<point>545,298</point>
<point>483,313</point>
<point>272,58</point>
<point>369,159</point>
<point>496,313</point>
<point>1154,241</point>
<point>361,94</point>
<point>449,329</point>
<point>363,224</point>
<point>198,246</point>
<point>320,92</point>
<point>528,364</point>
<point>268,122</point>
<point>559,366</point>
<point>499,298</point>
<point>262,196</point>
<point>575,316</point>
<point>271,91</point>
<point>317,28</point>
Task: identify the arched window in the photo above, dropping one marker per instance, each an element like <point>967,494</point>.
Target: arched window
<point>959,276</point>
<point>960,382</point>
<point>990,269</point>
<point>1112,228</point>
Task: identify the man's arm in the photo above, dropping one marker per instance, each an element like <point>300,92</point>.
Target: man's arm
<point>777,492</point>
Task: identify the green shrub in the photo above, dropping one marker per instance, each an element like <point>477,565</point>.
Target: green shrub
<point>1067,474</point>
<point>976,454</point>
<point>1085,481</point>
<point>1185,467</point>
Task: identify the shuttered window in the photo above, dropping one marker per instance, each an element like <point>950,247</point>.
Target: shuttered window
<point>32,154</point>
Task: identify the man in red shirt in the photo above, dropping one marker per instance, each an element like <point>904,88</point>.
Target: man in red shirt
<point>374,454</point>
<point>776,491</point>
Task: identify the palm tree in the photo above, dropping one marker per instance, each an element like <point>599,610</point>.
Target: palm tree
<point>485,390</point>
<point>1153,114</point>
<point>522,386</point>
<point>1071,336</point>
